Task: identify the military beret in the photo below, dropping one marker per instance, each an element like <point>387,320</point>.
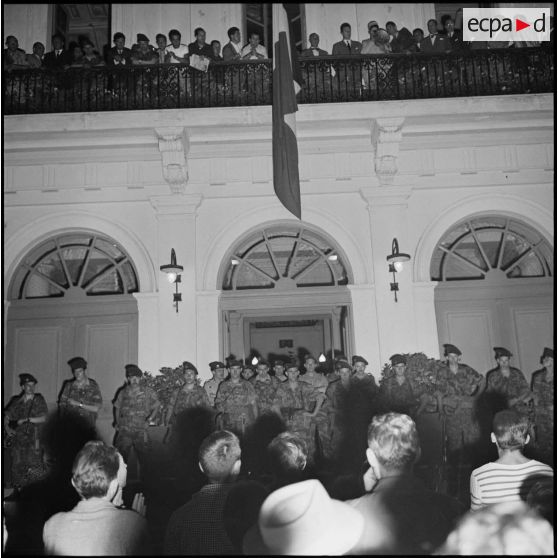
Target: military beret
<point>216,364</point>
<point>186,365</point>
<point>24,378</point>
<point>358,358</point>
<point>279,362</point>
<point>133,370</point>
<point>397,359</point>
<point>547,353</point>
<point>249,367</point>
<point>235,363</point>
<point>263,361</point>
<point>141,37</point>
<point>291,364</point>
<point>372,24</point>
<point>77,362</point>
<point>501,351</point>
<point>449,348</point>
<point>340,364</point>
<point>308,357</point>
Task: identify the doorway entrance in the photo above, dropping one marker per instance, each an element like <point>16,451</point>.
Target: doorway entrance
<point>285,295</point>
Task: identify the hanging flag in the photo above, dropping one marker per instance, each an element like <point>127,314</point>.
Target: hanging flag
<point>285,87</point>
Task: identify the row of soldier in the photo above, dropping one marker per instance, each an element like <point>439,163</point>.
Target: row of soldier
<point>330,412</point>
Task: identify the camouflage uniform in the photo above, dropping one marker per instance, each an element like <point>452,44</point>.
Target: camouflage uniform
<point>235,401</point>
<point>211,387</point>
<point>89,394</point>
<point>265,391</point>
<point>26,450</point>
<point>293,403</point>
<point>337,408</point>
<point>318,381</point>
<point>544,413</point>
<point>186,399</point>
<point>461,427</point>
<point>397,398</point>
<point>133,408</point>
<point>515,385</point>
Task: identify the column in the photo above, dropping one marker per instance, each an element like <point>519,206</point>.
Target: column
<point>335,328</point>
<point>387,209</point>
<point>365,323</point>
<point>148,330</point>
<point>176,217</point>
<point>236,329</point>
<point>425,319</point>
<point>207,319</point>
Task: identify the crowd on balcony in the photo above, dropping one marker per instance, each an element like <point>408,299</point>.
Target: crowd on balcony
<point>171,74</point>
<point>269,461</point>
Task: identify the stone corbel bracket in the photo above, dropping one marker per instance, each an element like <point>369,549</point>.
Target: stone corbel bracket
<point>386,139</point>
<point>174,146</point>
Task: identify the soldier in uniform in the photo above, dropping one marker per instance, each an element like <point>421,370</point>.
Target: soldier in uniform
<point>396,392</point>
<point>22,421</point>
<point>248,372</point>
<point>542,386</point>
<point>189,395</point>
<point>338,408</point>
<point>134,407</point>
<point>315,379</point>
<point>459,386</point>
<point>81,395</point>
<point>265,386</point>
<point>506,386</point>
<point>236,401</point>
<point>279,370</point>
<point>299,404</point>
<point>219,372</point>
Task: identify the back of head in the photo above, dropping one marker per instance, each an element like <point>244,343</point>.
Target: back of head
<point>218,454</point>
<point>510,429</point>
<point>95,466</point>
<point>394,440</point>
<point>509,528</point>
<point>287,457</point>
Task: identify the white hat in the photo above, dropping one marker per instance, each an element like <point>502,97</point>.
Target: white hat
<point>302,519</point>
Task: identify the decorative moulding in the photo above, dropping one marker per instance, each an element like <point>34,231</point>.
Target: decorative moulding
<point>174,146</point>
<point>386,139</point>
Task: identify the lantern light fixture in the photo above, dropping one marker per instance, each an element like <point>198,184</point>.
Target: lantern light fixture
<point>396,260</point>
<point>173,271</point>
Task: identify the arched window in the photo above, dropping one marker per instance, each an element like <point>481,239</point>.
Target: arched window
<point>491,246</point>
<point>81,263</point>
<point>285,257</point>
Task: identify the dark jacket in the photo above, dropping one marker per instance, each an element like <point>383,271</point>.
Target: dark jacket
<point>341,48</point>
<point>113,52</point>
<point>441,44</point>
<point>403,517</point>
<point>206,50</point>
<point>308,52</point>
<point>54,62</point>
<point>404,40</point>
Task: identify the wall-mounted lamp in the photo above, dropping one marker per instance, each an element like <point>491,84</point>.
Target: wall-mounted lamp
<point>322,358</point>
<point>173,271</point>
<point>396,260</point>
<point>255,361</point>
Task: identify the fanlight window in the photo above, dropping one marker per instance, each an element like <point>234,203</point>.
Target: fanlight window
<point>89,263</point>
<point>491,245</point>
<point>285,258</point>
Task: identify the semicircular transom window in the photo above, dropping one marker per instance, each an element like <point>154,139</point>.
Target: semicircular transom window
<point>77,263</point>
<point>491,246</point>
<point>285,258</point>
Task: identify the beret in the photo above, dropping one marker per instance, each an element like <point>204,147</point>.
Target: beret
<point>501,351</point>
<point>77,362</point>
<point>24,378</point>
<point>397,359</point>
<point>216,364</point>
<point>449,348</point>
<point>358,358</point>
<point>133,370</point>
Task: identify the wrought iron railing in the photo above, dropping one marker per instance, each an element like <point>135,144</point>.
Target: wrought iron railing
<point>420,76</point>
<point>161,86</point>
<point>325,79</point>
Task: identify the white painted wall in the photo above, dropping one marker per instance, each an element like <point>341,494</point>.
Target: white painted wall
<point>29,23</point>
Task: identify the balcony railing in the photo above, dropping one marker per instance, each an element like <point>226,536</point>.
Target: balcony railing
<point>421,76</point>
<point>160,86</point>
<point>325,80</point>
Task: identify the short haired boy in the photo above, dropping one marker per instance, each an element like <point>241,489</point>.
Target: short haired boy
<point>504,479</point>
<point>197,527</point>
<point>96,526</point>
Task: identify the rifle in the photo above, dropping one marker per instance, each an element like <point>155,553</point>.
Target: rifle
<point>169,428</point>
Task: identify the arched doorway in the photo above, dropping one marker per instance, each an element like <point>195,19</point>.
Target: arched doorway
<point>72,295</point>
<point>284,293</point>
<point>495,289</point>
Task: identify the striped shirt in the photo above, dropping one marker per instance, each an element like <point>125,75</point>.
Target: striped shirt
<point>495,482</point>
